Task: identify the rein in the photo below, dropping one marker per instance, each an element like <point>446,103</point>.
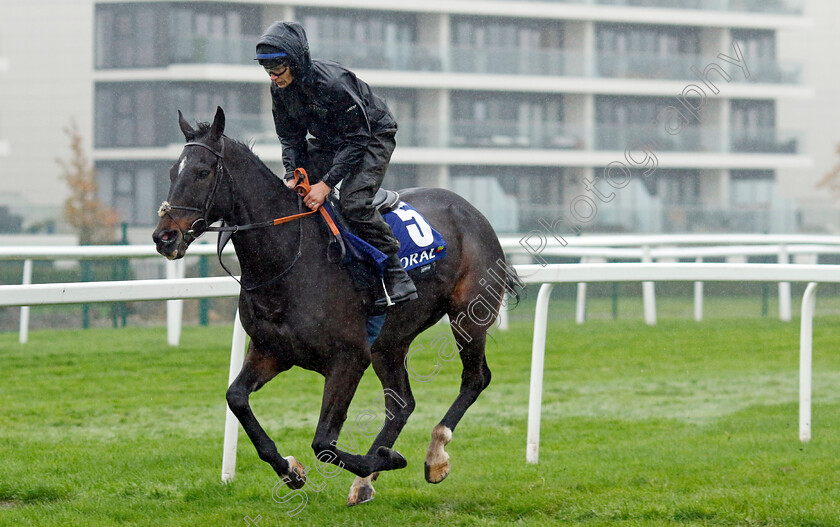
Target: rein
<point>302,188</point>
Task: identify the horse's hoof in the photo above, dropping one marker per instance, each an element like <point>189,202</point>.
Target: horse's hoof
<point>297,474</point>
<point>362,491</point>
<point>437,460</point>
<point>393,459</point>
<point>437,472</point>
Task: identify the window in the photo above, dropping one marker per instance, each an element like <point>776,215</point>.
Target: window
<point>126,36</point>
<point>134,189</point>
<point>753,128</point>
<point>494,45</point>
<point>207,33</point>
<point>756,44</point>
<point>507,119</point>
<point>751,188</point>
<point>646,51</point>
<point>244,119</point>
<point>759,50</point>
<point>128,114</point>
<point>624,121</point>
<point>156,34</point>
<point>400,177</point>
<point>678,187</point>
<point>751,116</point>
<point>627,39</point>
<point>144,114</point>
<point>403,104</point>
<point>362,39</point>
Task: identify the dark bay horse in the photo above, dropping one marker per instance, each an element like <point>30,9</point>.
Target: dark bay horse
<point>302,310</point>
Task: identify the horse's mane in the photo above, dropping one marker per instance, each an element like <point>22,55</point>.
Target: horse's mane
<point>203,128</point>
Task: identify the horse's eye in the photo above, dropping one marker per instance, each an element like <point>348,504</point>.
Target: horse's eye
<point>203,174</point>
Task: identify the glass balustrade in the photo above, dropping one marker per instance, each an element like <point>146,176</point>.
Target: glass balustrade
<point>420,133</point>
<point>787,7</point>
<point>516,61</point>
<point>379,55</point>
<point>493,60</point>
<point>689,138</point>
<point>512,134</point>
<point>766,141</point>
<point>767,70</point>
<point>650,66</point>
<point>223,49</point>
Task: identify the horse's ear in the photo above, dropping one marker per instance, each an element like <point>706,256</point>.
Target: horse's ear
<point>218,126</point>
<point>185,126</point>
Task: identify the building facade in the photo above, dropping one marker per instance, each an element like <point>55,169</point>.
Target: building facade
<point>613,115</point>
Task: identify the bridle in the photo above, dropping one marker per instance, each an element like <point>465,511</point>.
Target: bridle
<point>226,231</point>
<point>166,207</point>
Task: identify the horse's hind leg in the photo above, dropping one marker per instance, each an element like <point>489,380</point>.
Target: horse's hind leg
<point>257,370</point>
<point>470,337</point>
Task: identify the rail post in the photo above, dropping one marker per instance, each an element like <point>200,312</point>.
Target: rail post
<point>806,342</point>
<point>537,366</point>
<point>237,357</point>
<point>23,337</point>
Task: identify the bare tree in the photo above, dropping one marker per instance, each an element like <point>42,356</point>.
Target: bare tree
<point>94,222</point>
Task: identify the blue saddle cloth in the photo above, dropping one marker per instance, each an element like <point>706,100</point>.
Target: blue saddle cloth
<point>420,244</point>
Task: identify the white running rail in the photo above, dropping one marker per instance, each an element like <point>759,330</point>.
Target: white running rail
<point>181,288</point>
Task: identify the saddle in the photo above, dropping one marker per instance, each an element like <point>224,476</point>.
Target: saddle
<point>384,201</point>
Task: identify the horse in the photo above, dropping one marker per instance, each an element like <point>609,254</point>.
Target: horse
<point>302,309</point>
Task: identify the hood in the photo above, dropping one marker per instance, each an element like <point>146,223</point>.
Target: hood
<point>290,38</point>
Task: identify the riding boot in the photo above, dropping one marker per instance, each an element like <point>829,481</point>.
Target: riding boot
<point>398,285</point>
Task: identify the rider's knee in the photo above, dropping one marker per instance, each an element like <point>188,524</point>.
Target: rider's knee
<point>356,210</point>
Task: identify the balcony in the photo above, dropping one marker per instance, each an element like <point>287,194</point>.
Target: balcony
<point>420,133</point>
<point>698,139</point>
<point>784,7</point>
<point>658,218</point>
<point>678,67</point>
<point>244,127</point>
<point>769,71</point>
<point>498,60</point>
<point>517,61</point>
<point>226,49</point>
<point>375,55</point>
<point>671,67</point>
<point>512,134</point>
<point>789,7</point>
<point>765,141</point>
<point>689,139</point>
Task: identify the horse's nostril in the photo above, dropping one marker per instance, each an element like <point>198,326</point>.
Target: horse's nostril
<point>165,236</point>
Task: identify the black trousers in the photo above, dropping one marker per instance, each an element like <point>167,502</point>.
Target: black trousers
<point>359,187</point>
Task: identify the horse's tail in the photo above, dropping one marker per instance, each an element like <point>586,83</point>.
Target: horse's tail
<point>513,283</point>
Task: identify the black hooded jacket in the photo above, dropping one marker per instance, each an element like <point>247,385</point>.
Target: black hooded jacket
<point>326,100</point>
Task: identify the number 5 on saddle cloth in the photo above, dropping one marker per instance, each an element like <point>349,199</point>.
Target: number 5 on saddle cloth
<point>420,245</point>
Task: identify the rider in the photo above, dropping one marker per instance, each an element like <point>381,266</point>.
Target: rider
<point>352,138</point>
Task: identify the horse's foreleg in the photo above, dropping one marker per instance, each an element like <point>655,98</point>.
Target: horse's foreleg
<point>362,491</point>
<point>389,366</point>
<point>339,387</point>
<point>256,371</point>
<point>398,405</point>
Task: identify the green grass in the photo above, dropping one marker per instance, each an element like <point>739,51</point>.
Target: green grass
<point>678,424</point>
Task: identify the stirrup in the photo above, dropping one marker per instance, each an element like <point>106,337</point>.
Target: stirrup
<point>388,301</point>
